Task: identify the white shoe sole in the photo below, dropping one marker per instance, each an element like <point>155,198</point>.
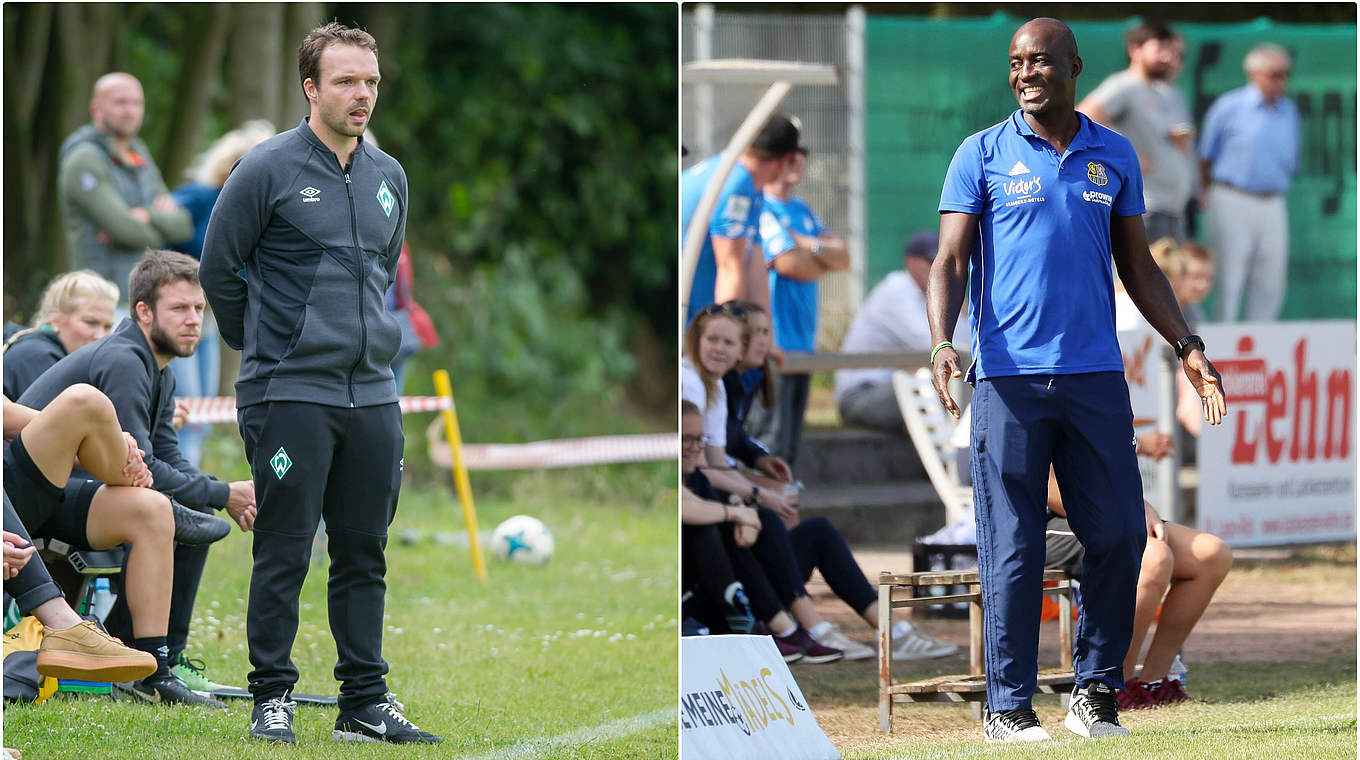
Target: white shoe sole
<point>1017,739</point>
<point>1075,725</point>
<point>352,736</point>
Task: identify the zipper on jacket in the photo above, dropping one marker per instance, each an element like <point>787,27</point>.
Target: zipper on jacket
<point>363,277</point>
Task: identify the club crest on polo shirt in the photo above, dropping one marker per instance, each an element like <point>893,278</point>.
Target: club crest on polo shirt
<point>737,208</point>
<point>280,463</point>
<point>386,199</point>
<point>1095,171</point>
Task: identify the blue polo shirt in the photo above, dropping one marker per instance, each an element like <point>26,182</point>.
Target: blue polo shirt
<point>1249,143</point>
<point>1041,282</point>
<point>793,303</point>
<point>735,216</point>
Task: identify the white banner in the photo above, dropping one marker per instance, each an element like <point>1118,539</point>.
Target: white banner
<point>1281,467</point>
<point>738,701</point>
<point>1139,348</point>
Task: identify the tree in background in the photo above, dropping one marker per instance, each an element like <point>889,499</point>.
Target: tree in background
<point>540,142</point>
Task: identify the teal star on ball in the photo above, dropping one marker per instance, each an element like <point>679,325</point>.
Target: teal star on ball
<point>516,542</point>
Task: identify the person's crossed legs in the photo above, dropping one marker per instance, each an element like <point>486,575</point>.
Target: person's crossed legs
<point>81,423</point>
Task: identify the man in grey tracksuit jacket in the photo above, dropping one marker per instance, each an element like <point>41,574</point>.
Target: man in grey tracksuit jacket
<point>298,254</point>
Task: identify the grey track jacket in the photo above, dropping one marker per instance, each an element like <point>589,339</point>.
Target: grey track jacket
<point>298,255</point>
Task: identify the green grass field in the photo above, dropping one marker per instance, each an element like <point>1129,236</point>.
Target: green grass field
<point>1257,710</point>
<point>573,659</point>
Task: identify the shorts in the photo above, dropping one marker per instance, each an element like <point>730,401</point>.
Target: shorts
<point>1062,550</point>
<point>47,510</point>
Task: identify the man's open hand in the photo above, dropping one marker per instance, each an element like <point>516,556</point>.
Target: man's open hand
<point>1207,383</point>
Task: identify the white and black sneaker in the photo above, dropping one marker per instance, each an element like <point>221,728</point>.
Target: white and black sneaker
<point>1019,725</point>
<point>272,719</point>
<point>380,721</point>
<point>1093,712</point>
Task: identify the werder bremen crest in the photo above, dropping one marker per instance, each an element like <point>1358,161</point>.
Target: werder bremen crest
<point>280,463</point>
<point>387,200</point>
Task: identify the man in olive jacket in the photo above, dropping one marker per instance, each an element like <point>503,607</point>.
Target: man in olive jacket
<point>113,198</point>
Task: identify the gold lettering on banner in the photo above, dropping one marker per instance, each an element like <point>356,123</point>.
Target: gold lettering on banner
<point>765,674</point>
<point>758,700</point>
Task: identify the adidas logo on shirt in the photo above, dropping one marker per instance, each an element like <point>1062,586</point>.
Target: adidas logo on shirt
<point>1018,169</point>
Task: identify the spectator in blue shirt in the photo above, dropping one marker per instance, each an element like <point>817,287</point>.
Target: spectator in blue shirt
<point>799,250</point>
<point>1033,211</point>
<point>1249,152</point>
<point>730,265</point>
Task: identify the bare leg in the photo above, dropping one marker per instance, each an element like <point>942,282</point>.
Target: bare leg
<point>1202,562</point>
<point>805,612</point>
<point>56,614</point>
<point>781,623</point>
<point>142,517</point>
<point>80,422</point>
<point>870,614</point>
<point>1153,579</point>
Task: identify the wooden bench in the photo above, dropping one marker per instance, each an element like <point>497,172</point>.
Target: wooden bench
<point>902,590</point>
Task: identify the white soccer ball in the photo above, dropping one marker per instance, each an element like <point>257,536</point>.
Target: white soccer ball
<point>522,539</point>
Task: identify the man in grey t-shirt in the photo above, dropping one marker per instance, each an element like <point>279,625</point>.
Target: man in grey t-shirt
<point>1141,104</point>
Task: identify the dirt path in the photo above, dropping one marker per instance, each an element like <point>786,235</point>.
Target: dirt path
<point>1263,612</point>
<point>1302,609</point>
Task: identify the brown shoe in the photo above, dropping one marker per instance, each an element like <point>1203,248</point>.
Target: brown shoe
<point>84,652</point>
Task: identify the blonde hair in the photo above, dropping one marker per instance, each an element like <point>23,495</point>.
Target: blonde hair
<point>1164,253</point>
<point>212,166</point>
<point>61,294</point>
<point>691,347</point>
<point>1172,257</point>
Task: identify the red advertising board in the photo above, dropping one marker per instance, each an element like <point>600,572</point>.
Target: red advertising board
<point>1281,468</point>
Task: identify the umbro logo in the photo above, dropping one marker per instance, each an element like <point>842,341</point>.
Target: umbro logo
<point>310,194</point>
<point>1018,169</point>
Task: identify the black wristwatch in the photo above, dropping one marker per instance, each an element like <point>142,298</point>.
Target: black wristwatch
<point>1186,342</point>
<point>754,497</point>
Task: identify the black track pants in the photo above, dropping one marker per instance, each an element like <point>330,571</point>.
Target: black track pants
<point>308,461</point>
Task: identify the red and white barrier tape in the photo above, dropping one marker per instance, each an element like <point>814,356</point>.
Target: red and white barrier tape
<point>223,408</point>
<point>571,452</point>
<point>568,452</point>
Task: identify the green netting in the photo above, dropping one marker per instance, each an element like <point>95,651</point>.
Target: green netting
<point>929,84</point>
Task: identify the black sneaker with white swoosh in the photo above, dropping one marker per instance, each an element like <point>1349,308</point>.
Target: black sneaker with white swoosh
<point>380,721</point>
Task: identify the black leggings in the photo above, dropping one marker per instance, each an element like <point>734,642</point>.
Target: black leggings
<point>790,556</point>
<point>33,585</point>
<point>710,562</point>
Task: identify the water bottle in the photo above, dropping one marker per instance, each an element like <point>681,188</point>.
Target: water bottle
<point>1177,671</point>
<point>102,600</point>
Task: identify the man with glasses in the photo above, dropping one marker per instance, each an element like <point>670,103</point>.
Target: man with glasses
<point>1249,152</point>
